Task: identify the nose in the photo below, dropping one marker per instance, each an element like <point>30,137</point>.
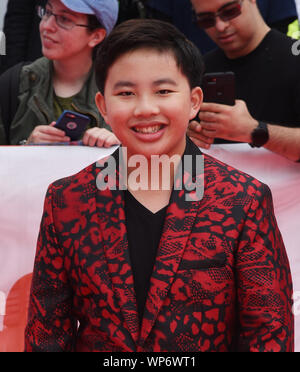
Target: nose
<point>49,23</point>
<point>146,107</point>
<point>221,25</point>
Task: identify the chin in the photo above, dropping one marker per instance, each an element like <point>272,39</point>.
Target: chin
<point>48,54</point>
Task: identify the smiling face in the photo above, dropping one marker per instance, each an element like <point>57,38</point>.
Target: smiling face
<point>148,103</point>
<point>238,36</point>
<point>61,44</point>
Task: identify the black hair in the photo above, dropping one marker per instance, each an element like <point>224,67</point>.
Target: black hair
<point>94,23</point>
<point>149,34</point>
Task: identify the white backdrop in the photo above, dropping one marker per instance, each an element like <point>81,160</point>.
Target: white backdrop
<point>26,172</point>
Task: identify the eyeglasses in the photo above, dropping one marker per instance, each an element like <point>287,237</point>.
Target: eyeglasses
<point>61,20</point>
<point>226,13</point>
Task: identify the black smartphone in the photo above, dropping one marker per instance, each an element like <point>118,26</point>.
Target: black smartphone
<point>73,124</point>
<point>219,88</point>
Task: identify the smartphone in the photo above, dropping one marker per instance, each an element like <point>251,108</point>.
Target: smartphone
<point>219,88</point>
<point>73,124</point>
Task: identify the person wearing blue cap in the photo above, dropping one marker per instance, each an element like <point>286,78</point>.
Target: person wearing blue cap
<point>63,79</point>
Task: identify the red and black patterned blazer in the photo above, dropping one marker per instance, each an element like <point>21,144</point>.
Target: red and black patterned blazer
<point>221,281</point>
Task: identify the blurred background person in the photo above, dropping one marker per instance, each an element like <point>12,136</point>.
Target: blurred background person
<point>267,108</point>
<point>21,29</point>
<point>63,79</point>
<point>276,13</point>
<point>23,40</point>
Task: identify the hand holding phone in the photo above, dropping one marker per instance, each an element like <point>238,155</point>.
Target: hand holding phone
<point>73,124</point>
<point>219,88</point>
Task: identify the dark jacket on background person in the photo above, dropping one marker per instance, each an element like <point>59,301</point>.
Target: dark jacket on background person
<point>267,79</point>
<point>21,28</point>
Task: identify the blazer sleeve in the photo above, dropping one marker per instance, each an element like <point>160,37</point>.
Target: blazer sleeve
<point>266,321</point>
<point>17,27</point>
<point>50,325</point>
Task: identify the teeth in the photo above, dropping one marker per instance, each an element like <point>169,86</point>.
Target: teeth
<point>149,130</point>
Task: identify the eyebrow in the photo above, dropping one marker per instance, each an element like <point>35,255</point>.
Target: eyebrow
<point>123,84</point>
<point>165,81</point>
<point>130,84</point>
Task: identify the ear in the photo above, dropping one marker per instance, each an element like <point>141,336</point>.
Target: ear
<point>196,101</point>
<point>97,37</point>
<point>101,105</point>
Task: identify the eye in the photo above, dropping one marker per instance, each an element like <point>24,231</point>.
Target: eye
<point>125,94</point>
<point>64,20</point>
<point>164,92</point>
<point>47,12</point>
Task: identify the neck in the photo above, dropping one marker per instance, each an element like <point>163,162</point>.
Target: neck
<point>261,31</point>
<point>72,70</point>
<point>70,75</point>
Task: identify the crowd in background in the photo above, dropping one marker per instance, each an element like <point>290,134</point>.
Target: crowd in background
<point>23,41</point>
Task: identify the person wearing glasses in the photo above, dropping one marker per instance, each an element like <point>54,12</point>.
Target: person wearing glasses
<point>277,14</point>
<point>63,79</point>
<point>266,65</point>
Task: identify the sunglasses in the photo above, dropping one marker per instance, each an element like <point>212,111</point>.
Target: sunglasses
<point>226,13</point>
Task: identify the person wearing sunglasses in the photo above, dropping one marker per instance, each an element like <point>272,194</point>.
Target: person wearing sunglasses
<point>266,65</point>
<point>63,79</point>
<point>277,14</point>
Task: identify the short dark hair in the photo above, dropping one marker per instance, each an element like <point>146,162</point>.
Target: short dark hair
<point>153,34</point>
<point>94,23</point>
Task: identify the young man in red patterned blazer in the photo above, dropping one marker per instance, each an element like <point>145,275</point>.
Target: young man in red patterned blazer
<point>196,266</point>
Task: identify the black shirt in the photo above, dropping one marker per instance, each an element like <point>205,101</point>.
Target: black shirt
<point>144,230</point>
<point>267,79</point>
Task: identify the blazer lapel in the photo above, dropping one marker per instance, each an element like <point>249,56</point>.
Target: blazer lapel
<point>111,215</point>
<point>180,218</point>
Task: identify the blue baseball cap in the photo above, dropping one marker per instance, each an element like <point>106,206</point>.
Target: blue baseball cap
<point>106,11</point>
